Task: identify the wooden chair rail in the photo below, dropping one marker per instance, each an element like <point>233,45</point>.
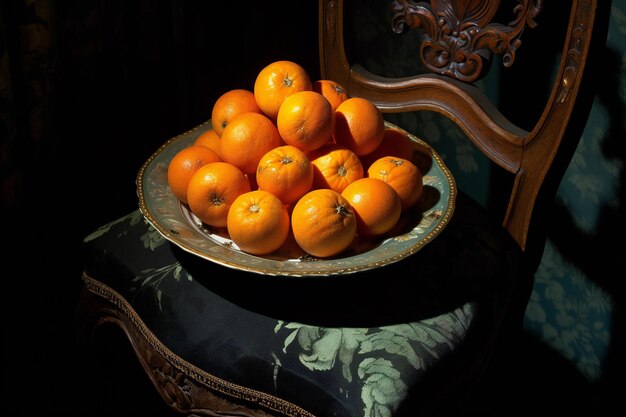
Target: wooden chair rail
<point>184,387</point>
<point>463,103</point>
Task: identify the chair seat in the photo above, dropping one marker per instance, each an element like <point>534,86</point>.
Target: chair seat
<point>373,343</point>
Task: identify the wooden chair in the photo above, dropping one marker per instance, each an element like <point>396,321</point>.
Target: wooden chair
<point>410,338</point>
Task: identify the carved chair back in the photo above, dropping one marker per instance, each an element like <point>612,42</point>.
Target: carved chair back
<point>459,40</point>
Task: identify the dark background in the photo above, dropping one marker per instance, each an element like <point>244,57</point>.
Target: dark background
<point>96,88</point>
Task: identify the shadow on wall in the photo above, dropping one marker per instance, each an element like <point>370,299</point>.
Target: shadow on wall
<point>599,253</point>
<point>578,306</point>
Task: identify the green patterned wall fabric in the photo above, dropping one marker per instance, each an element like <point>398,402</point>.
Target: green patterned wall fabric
<point>576,295</point>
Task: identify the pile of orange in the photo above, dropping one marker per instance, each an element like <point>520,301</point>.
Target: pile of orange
<point>296,160</point>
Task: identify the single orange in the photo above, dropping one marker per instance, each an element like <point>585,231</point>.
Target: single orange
<point>212,190</point>
<point>332,90</point>
<point>376,205</point>
<point>184,164</point>
<point>210,139</point>
<point>230,104</point>
<point>395,143</point>
<point>335,167</point>
<point>247,138</point>
<point>277,81</point>
<point>402,175</point>
<point>306,120</point>
<point>286,172</point>
<point>323,223</point>
<point>258,222</point>
<point>359,125</point>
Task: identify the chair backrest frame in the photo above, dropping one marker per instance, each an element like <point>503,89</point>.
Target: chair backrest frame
<point>528,155</point>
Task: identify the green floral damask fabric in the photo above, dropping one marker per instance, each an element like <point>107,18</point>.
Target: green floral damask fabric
<point>373,354</point>
<point>575,292</point>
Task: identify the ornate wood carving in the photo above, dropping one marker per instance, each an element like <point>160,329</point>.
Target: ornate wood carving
<point>577,40</point>
<point>331,20</point>
<point>184,387</point>
<point>459,37</point>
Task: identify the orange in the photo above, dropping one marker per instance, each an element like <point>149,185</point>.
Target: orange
<point>395,143</point>
<point>323,223</point>
<point>332,90</point>
<point>359,125</point>
<point>286,172</point>
<point>184,164</point>
<point>277,81</point>
<point>402,175</point>
<point>335,167</point>
<point>258,222</point>
<point>210,139</point>
<point>212,190</point>
<point>376,204</point>
<point>230,104</point>
<point>306,120</point>
<point>247,138</point>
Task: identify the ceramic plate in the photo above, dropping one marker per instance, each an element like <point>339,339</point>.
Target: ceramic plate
<point>179,225</point>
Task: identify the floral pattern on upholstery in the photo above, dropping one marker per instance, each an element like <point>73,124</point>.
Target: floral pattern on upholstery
<point>382,386</point>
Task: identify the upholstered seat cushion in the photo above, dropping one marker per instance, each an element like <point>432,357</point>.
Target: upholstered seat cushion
<point>365,344</point>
